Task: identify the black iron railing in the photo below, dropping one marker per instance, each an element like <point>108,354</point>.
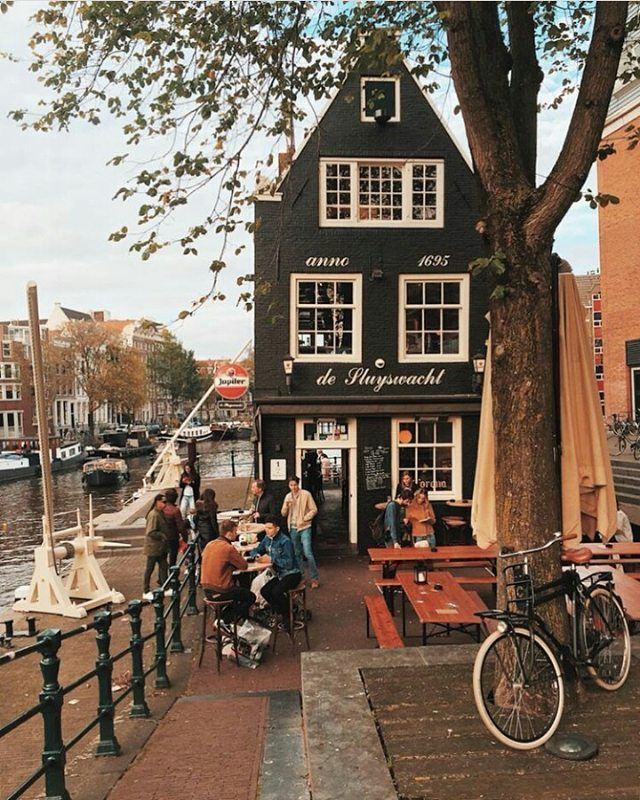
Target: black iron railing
<point>51,698</point>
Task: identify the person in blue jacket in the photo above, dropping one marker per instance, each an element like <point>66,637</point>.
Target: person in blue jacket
<point>394,519</point>
<point>277,550</point>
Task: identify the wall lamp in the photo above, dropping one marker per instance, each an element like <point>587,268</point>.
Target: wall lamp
<point>479,361</point>
<point>381,116</point>
<point>287,366</point>
<point>376,274</point>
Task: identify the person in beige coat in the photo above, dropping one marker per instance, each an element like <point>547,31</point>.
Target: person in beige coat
<point>299,509</point>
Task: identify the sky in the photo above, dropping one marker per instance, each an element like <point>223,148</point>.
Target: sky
<point>56,214</point>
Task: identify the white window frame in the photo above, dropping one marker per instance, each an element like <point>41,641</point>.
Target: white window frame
<point>349,358</point>
<point>456,461</point>
<point>406,221</point>
<point>379,79</point>
<point>413,358</point>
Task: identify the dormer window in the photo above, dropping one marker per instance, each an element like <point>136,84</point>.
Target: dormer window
<point>380,99</point>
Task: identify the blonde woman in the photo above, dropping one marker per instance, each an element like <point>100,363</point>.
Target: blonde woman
<point>422,517</point>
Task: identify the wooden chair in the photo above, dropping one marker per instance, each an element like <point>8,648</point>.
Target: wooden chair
<point>454,530</point>
<point>297,616</point>
<point>213,609</point>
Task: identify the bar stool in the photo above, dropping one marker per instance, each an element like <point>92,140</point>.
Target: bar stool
<point>214,609</point>
<point>297,615</point>
<point>454,530</point>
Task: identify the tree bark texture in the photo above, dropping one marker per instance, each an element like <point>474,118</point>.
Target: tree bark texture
<point>497,90</point>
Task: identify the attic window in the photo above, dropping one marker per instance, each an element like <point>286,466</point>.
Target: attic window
<point>380,95</point>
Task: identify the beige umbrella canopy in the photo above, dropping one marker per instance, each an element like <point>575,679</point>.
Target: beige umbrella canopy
<point>588,494</point>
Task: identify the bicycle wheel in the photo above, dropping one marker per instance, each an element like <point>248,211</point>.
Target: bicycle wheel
<point>604,639</point>
<point>518,688</point>
<point>636,449</point>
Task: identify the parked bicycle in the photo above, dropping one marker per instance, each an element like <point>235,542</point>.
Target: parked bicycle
<point>519,671</point>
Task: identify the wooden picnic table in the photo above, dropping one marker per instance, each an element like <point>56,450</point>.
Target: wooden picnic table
<point>450,607</point>
<point>457,553</point>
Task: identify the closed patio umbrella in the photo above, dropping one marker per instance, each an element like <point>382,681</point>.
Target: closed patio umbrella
<point>588,494</point>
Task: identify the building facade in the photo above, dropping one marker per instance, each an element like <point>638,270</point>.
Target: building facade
<point>17,402</point>
<point>620,254</point>
<point>591,297</point>
<point>361,259</point>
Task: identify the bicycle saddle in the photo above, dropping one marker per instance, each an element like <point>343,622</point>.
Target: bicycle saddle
<point>577,555</point>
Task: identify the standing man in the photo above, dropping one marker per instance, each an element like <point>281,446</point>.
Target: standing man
<point>277,549</point>
<point>299,509</point>
<point>394,518</point>
<point>219,561</point>
<point>175,524</point>
<point>264,504</point>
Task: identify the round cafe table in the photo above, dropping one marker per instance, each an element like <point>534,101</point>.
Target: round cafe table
<point>459,503</point>
<point>380,506</point>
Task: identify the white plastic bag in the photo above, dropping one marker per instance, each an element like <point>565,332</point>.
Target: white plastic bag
<point>257,583</point>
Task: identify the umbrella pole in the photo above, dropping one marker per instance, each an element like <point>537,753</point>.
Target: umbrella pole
<point>555,332</point>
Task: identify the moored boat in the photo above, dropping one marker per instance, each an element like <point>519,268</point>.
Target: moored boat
<point>193,433</point>
<point>105,472</point>
<point>18,465</point>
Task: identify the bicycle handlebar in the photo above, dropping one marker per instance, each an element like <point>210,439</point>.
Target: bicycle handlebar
<point>558,536</point>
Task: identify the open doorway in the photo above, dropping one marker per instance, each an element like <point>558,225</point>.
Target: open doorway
<point>325,473</point>
<point>332,522</point>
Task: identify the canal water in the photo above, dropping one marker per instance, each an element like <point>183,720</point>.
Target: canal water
<point>22,505</point>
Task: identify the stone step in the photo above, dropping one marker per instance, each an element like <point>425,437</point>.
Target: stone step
<point>632,500</point>
<point>284,768</point>
<point>624,463</point>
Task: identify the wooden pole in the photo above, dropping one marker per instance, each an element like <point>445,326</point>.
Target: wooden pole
<point>41,407</point>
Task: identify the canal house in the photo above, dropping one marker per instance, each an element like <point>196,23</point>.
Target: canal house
<point>367,319</point>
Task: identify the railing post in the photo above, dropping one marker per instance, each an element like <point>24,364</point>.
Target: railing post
<point>108,744</point>
<point>139,707</point>
<point>162,679</point>
<point>53,753</point>
<point>192,608</point>
<point>176,623</point>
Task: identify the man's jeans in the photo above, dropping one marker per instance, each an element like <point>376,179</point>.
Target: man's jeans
<point>302,543</point>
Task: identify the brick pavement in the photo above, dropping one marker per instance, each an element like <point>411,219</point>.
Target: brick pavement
<point>202,749</point>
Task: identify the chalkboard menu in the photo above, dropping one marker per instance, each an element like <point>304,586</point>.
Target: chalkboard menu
<point>376,470</point>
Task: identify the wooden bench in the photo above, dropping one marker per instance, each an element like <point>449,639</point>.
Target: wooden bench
<point>379,618</point>
<point>388,587</point>
<point>490,624</point>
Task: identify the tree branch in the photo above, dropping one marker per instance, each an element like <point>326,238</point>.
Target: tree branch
<point>570,171</point>
<point>526,77</point>
<point>480,66</point>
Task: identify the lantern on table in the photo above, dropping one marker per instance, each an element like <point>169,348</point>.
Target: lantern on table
<point>420,573</point>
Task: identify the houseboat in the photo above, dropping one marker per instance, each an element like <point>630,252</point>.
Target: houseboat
<point>99,472</point>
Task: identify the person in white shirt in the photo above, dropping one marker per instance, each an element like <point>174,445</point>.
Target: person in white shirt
<point>623,532</point>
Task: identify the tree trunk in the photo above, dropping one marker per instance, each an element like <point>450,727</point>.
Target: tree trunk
<point>523,356</point>
<point>91,422</point>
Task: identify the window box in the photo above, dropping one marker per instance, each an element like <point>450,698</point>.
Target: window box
<point>433,318</point>
<point>326,319</point>
<point>381,193</point>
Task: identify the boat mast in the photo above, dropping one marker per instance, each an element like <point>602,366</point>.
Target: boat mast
<point>187,420</point>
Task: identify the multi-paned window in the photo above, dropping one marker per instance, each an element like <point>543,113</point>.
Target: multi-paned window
<point>381,193</point>
<point>433,318</point>
<point>10,424</point>
<point>325,317</point>
<point>429,450</point>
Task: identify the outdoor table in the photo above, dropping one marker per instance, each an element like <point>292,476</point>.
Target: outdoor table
<point>234,513</point>
<point>245,548</point>
<point>254,566</point>
<point>463,552</point>
<point>450,607</point>
<point>459,503</point>
<point>605,554</point>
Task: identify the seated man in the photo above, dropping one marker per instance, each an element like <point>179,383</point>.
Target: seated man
<point>277,549</point>
<point>219,560</point>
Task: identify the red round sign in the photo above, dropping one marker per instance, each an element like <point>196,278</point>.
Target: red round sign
<point>231,382</point>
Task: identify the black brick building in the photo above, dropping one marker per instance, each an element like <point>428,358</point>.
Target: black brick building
<point>363,258</point>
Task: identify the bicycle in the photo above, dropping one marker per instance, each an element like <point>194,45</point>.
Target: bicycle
<point>518,680</point>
